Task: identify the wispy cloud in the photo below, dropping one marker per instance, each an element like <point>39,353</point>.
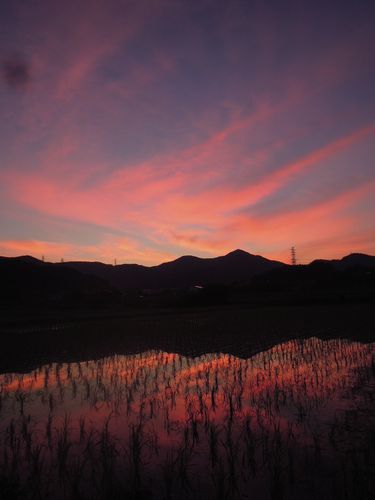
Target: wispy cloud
<point>185,127</point>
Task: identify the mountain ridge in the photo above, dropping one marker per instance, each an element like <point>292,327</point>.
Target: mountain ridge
<point>185,271</point>
<point>351,257</point>
<point>235,277</point>
<point>189,270</point>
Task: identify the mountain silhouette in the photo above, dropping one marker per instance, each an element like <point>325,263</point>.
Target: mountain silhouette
<point>236,277</point>
<point>186,271</point>
<point>27,280</point>
<point>353,260</point>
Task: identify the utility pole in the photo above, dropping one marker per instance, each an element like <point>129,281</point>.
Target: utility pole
<point>42,258</point>
<point>293,257</point>
<point>115,262</point>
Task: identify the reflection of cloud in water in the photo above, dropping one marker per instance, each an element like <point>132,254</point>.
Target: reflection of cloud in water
<point>295,390</point>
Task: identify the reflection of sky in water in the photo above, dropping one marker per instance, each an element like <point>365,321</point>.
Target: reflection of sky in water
<point>296,388</point>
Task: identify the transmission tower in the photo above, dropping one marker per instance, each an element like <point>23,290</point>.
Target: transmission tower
<point>293,257</point>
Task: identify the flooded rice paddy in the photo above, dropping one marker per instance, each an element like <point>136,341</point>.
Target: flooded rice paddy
<point>293,421</point>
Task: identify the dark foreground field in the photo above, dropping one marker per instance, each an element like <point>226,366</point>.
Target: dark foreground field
<point>221,403</point>
<point>29,339</point>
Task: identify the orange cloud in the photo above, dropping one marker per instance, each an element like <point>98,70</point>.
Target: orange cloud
<point>36,248</point>
<point>162,201</point>
<point>122,249</point>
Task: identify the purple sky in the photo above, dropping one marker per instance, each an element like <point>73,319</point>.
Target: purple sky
<point>144,130</point>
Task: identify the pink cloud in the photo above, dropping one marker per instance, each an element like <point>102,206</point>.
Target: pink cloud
<point>9,248</point>
<point>160,200</point>
<point>124,250</point>
<point>189,194</point>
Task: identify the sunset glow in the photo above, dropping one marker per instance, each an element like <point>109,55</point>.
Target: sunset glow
<point>143,131</point>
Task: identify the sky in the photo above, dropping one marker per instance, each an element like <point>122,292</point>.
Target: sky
<point>143,130</point>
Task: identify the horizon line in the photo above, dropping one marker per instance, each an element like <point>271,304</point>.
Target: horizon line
<point>115,262</point>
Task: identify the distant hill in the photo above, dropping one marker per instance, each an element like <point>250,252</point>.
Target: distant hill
<point>238,277</point>
<point>186,271</point>
<point>353,260</point>
<point>350,279</point>
<point>27,281</point>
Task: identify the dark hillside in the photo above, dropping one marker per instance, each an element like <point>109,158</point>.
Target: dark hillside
<point>28,281</point>
<point>186,271</point>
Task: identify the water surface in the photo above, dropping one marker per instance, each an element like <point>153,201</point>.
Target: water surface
<point>293,421</point>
